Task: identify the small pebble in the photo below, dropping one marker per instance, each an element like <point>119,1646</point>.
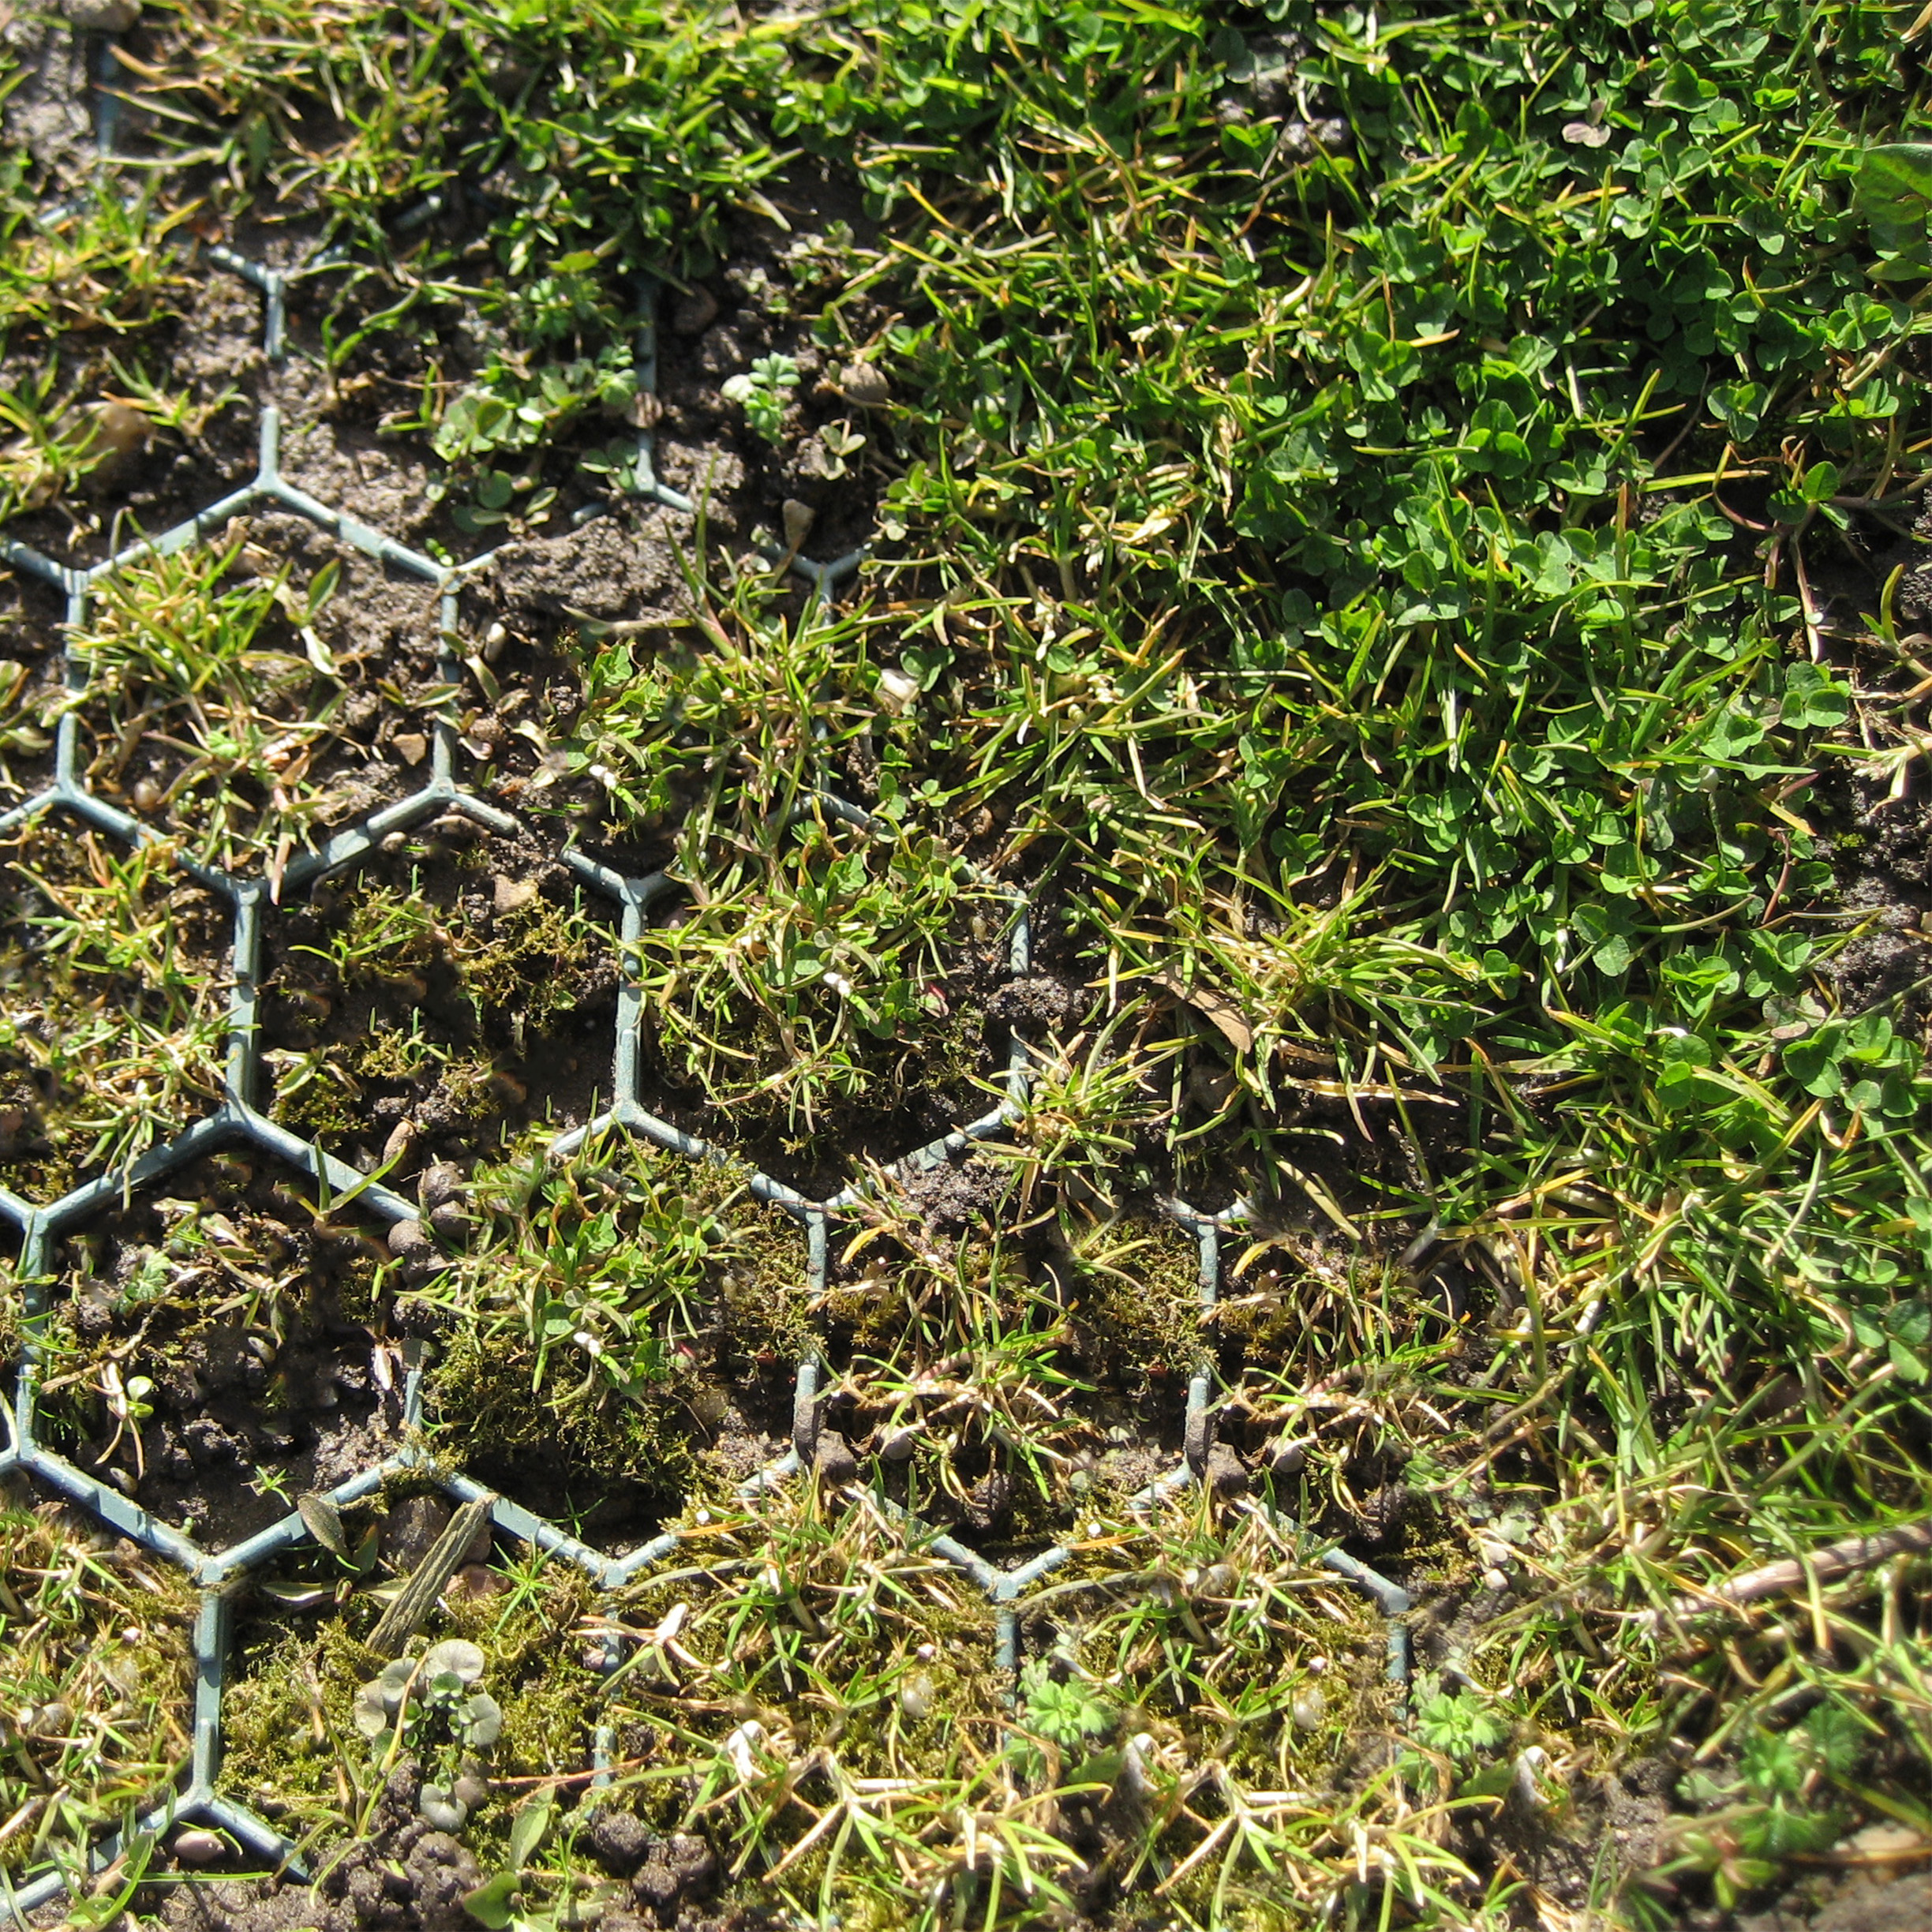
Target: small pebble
<point>696,312</point>
<point>897,692</point>
<point>117,437</point>
<point>475,1582</point>
<point>508,894</point>
<point>147,795</point>
<point>1888,1839</point>
<point>449,1220</point>
<point>1226,1474</point>
<point>709,1407</point>
<point>411,747</point>
<point>409,1237</point>
<point>832,1461</point>
<point>411,1528</point>
<point>439,1185</point>
<point>898,1445</point>
<point>199,1848</point>
<point>1288,1456</point>
<point>1217,1580</point>
<point>799,518</point>
<point>915,1697</point>
<point>1309,1709</point>
<point>862,384</point>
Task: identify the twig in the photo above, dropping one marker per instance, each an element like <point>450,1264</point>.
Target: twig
<point>398,1624</point>
<point>1841,1559</point>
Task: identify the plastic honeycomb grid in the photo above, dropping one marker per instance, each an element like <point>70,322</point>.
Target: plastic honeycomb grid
<point>238,1119</point>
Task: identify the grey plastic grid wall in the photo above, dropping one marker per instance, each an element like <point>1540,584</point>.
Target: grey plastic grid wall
<point>238,1119</point>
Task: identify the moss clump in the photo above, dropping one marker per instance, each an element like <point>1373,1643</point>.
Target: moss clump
<point>318,1107</point>
<point>111,1016</point>
<point>588,1307</point>
<point>291,1749</point>
<point>543,959</point>
<point>496,1404</point>
<point>536,1667</point>
<point>1137,1300</point>
<point>762,1291</point>
<point>462,985</point>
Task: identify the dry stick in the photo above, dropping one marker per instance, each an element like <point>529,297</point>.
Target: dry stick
<point>413,1604</point>
<point>1834,1560</point>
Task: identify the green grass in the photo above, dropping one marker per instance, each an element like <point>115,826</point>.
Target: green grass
<point>98,1678</point>
<point>112,1040</point>
<point>1390,541</point>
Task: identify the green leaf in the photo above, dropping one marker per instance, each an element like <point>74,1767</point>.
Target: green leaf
<point>528,1827</point>
<point>1893,186</point>
<point>492,1903</point>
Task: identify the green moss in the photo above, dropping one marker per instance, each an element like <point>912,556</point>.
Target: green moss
<point>541,961</point>
<point>588,1303</point>
<point>292,1749</point>
<point>762,1289</point>
<point>1137,1300</point>
<point>536,1670</point>
<point>489,1394</point>
<point>388,1052</point>
<point>110,1026</point>
<point>320,1109</point>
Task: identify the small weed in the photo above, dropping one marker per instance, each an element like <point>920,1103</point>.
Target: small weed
<point>761,392</point>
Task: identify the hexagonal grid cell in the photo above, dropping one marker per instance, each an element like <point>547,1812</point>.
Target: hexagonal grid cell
<point>218,1346</point>
<point>385,890</point>
<point>453,976</point>
<point>114,968</point>
<point>97,1674</point>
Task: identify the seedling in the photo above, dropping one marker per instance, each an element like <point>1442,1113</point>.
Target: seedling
<point>430,1705</point>
<point>761,392</point>
<point>1063,1711</point>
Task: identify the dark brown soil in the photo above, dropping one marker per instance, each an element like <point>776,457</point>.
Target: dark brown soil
<point>254,1319</point>
<point>408,1877</point>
